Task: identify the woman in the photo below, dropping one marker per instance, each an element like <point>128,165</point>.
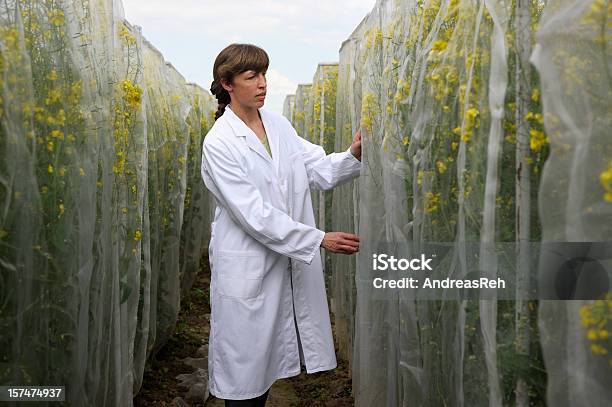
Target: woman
<point>268,301</point>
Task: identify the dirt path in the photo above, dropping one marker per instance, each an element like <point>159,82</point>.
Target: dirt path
<point>160,387</point>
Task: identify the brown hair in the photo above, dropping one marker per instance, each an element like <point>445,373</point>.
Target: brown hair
<point>233,60</point>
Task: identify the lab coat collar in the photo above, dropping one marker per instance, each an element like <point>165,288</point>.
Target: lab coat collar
<point>242,130</point>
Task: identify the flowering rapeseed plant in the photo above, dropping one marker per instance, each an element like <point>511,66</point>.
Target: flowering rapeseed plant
<point>596,318</point>
<point>605,178</point>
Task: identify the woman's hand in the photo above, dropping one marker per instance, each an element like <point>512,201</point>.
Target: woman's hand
<point>340,242</point>
<point>356,145</point>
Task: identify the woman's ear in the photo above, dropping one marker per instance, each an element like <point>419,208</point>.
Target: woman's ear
<point>226,86</point>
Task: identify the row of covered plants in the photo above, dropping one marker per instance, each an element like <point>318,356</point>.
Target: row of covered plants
<point>486,125</point>
<point>312,110</point>
<point>104,213</point>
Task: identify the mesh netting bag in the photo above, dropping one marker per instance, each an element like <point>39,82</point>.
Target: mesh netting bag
<point>100,185</point>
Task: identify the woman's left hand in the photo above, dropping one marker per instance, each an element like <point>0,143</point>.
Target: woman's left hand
<point>356,145</point>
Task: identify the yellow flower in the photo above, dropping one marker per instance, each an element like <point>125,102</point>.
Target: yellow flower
<point>537,139</point>
<point>61,117</point>
<point>585,313</point>
<point>132,94</point>
<point>472,113</point>
<point>441,166</point>
<point>403,88</point>
<point>465,137</point>
<point>56,17</point>
<point>50,146</point>
<point>137,235</point>
<point>452,77</point>
<point>53,96</point>
<point>81,172</point>
<point>595,15</point>
<point>52,76</point>
<point>432,201</point>
<point>75,93</point>
<point>27,109</point>
<point>420,174</point>
<point>61,209</point>
<point>406,141</point>
<point>604,334</point>
<point>126,36</point>
<point>50,169</point>
<point>369,107</point>
<point>598,350</point>
<point>44,189</point>
<point>605,178</point>
<point>379,37</point>
<point>539,118</point>
<point>373,38</point>
<point>439,46</point>
<point>592,335</point>
<point>535,95</point>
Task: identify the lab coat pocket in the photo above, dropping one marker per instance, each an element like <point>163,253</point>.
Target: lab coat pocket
<point>240,273</point>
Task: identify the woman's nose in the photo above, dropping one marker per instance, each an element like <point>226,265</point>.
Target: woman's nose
<point>262,81</point>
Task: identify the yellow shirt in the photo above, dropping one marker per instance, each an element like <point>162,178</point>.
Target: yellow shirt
<point>266,145</point>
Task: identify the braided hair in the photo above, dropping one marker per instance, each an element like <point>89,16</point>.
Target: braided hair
<point>233,60</point>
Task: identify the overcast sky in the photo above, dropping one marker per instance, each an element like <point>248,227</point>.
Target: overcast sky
<point>296,34</point>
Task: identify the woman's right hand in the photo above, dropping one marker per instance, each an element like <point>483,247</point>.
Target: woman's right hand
<point>340,242</point>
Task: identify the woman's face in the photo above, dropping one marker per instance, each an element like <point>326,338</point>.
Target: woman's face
<point>248,89</point>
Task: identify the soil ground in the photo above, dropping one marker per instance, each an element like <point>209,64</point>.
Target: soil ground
<point>160,387</point>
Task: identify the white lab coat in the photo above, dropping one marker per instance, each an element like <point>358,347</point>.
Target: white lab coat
<point>263,221</point>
